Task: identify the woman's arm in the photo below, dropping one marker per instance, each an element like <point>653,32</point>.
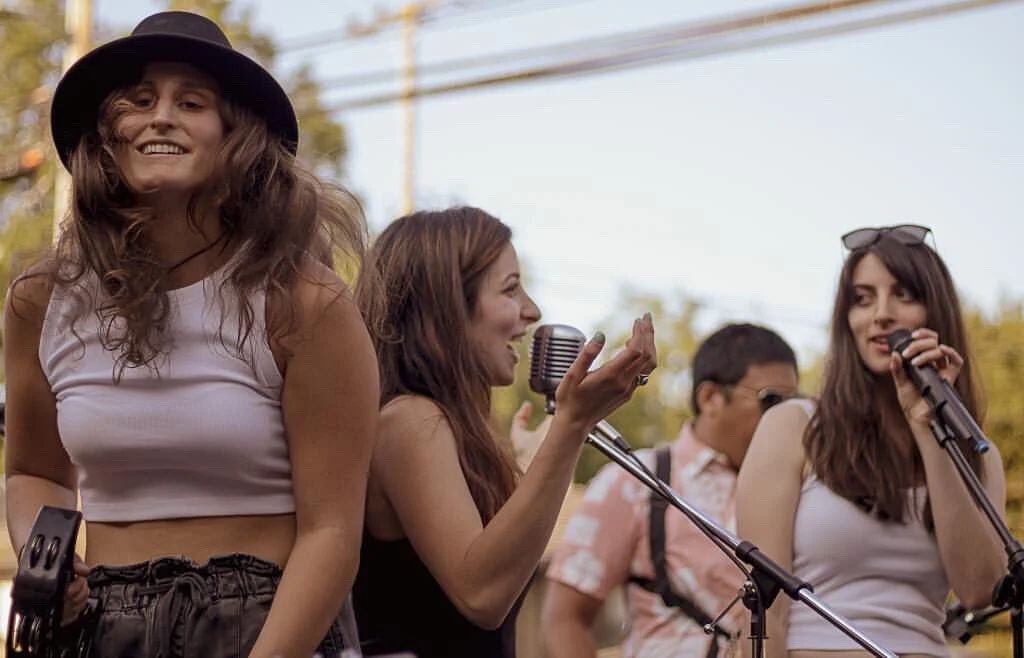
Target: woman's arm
<point>483,569</point>
<point>330,404</point>
<point>38,470</point>
<point>767,495</point>
<point>971,553</point>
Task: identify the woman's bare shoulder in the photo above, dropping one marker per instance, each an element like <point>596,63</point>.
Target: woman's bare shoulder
<point>29,294</point>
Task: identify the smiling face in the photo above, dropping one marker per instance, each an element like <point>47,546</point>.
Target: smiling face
<point>171,130</point>
<point>881,305</point>
<point>501,316</point>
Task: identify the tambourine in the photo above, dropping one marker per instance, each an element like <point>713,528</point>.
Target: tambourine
<point>45,568</point>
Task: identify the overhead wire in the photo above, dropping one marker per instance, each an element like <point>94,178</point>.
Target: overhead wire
<point>511,9</point>
<point>648,48</point>
<point>683,47</point>
<point>446,16</point>
<point>613,43</point>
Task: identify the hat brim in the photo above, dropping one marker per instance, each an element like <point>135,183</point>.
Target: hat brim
<point>88,82</point>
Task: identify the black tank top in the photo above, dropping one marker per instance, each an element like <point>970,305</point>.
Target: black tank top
<point>400,607</point>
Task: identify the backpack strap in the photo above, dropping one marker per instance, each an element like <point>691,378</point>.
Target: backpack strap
<point>661,585</point>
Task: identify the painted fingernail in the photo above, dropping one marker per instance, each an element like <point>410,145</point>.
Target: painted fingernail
<point>598,337</point>
<point>647,316</point>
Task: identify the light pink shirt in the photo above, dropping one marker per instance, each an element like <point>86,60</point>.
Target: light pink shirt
<point>606,541</point>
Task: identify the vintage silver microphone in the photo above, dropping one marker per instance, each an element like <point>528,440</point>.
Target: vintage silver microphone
<point>555,348</point>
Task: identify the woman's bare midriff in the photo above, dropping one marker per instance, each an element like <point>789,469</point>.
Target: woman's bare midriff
<point>198,539</point>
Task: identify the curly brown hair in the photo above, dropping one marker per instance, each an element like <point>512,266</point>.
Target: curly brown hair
<point>274,211</point>
<point>418,295</point>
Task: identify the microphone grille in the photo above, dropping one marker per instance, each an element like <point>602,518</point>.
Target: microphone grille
<point>898,340</point>
<point>555,347</point>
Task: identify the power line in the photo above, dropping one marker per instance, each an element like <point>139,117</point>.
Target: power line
<point>514,9</point>
<point>603,45</point>
<point>432,13</point>
<point>456,9</point>
<point>681,48</point>
<point>383,21</point>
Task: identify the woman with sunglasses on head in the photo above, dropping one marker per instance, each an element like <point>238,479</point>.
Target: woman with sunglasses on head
<point>188,363</point>
<point>454,531</point>
<point>853,493</point>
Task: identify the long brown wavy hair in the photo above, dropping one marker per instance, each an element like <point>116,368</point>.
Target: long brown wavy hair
<point>859,443</point>
<point>274,210</point>
<point>419,294</point>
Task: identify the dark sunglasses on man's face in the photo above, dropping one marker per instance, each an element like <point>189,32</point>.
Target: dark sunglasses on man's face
<point>766,397</point>
<point>769,399</point>
<point>908,234</point>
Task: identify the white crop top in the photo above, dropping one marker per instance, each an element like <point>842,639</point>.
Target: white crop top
<point>202,436</point>
<point>886,579</point>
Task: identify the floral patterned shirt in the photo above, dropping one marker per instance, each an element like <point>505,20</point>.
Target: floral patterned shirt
<point>606,541</point>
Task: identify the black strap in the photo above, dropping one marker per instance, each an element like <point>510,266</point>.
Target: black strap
<point>661,584</point>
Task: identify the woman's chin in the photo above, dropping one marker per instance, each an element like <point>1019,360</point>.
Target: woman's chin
<point>878,367</point>
<point>505,380</point>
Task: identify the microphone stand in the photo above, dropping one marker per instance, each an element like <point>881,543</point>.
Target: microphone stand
<point>767,576</point>
<point>962,623</point>
<point>1009,593</point>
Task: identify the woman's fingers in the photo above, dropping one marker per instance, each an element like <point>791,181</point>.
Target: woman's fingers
<point>80,567</point>
<point>579,368</point>
<point>640,355</point>
<point>75,599</point>
<point>521,418</point>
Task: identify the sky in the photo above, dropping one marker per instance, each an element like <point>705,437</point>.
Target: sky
<point>726,178</point>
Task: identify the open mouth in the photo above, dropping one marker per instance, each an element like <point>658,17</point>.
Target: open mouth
<point>513,346</point>
<point>881,342</point>
<point>161,148</point>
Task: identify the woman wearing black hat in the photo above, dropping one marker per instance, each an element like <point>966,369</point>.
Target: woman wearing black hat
<point>179,361</point>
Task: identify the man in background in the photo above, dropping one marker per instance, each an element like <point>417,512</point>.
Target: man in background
<point>675,579</point>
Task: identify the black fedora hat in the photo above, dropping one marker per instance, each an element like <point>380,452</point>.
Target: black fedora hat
<point>175,36</point>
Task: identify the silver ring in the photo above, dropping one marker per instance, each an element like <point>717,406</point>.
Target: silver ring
<point>641,379</point>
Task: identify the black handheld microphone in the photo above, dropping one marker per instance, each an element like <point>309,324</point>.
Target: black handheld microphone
<point>940,396</point>
<point>555,348</point>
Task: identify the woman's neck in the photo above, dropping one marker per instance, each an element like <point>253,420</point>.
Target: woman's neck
<point>189,249</point>
<point>893,422</point>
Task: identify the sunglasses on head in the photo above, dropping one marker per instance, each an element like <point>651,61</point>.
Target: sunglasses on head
<point>908,234</point>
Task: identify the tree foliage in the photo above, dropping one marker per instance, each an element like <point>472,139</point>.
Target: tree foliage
<point>32,42</point>
<point>997,345</point>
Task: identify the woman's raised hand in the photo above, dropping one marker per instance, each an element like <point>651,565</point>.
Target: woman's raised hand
<point>587,396</point>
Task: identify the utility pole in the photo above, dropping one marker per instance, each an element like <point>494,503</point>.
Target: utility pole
<point>410,17</point>
<point>410,21</point>
<point>78,25</point>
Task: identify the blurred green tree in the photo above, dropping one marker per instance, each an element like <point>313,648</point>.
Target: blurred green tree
<point>997,345</point>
